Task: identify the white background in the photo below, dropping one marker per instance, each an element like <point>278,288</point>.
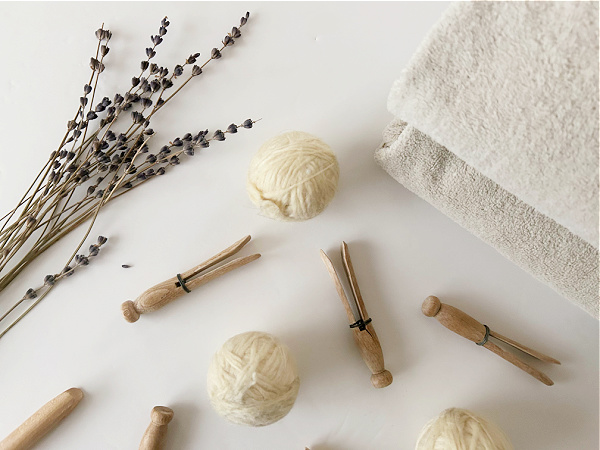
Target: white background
<point>324,68</point>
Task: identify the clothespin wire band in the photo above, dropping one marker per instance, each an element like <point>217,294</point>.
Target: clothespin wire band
<point>182,283</point>
<point>486,337</point>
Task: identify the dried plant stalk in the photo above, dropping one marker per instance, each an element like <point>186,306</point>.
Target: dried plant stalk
<point>97,162</point>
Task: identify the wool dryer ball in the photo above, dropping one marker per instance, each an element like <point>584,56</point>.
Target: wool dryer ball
<point>293,176</point>
<point>460,429</point>
<point>253,380</point>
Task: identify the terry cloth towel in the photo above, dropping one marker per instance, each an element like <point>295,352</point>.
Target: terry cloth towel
<point>501,102</point>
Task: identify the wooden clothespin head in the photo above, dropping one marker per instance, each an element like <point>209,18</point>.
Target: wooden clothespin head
<point>163,293</point>
<point>156,433</point>
<point>466,326</point>
<point>364,334</point>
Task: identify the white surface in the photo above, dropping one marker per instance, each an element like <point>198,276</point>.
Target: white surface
<point>324,68</point>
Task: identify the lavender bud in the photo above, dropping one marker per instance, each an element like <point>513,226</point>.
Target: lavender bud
<point>30,294</point>
<point>160,171</point>
<point>178,70</point>
<point>94,249</point>
<point>151,158</point>
<point>159,102</point>
<point>154,85</point>
<point>141,176</point>
<point>87,89</point>
<point>153,68</point>
<point>219,135</point>
<point>177,143</point>
<point>174,161</point>
<point>118,99</point>
<point>49,280</point>
<point>102,240</point>
<point>248,123</point>
<point>227,41</point>
<point>162,31</point>
<point>96,65</point>
<point>104,50</point>
<point>232,128</point>
<point>215,53</point>
<point>196,70</point>
<point>91,115</point>
<point>156,40</point>
<point>235,32</point>
<point>150,53</point>
<point>191,60</point>
<point>100,193</point>
<point>83,260</point>
<point>144,65</point>
<point>146,103</point>
<point>68,271</point>
<point>135,81</point>
<point>189,150</point>
<point>137,117</point>
<point>165,22</point>
<point>83,101</point>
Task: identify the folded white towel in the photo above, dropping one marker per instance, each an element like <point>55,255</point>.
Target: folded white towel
<point>501,101</point>
<point>512,89</point>
<point>532,240</point>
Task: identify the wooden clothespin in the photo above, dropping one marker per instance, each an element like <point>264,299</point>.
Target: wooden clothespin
<point>464,325</point>
<point>156,433</point>
<point>158,296</point>
<point>42,421</point>
<point>364,333</point>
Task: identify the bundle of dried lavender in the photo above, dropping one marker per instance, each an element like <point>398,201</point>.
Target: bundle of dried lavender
<point>94,163</point>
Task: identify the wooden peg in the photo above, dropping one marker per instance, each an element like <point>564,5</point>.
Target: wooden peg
<point>156,433</point>
<point>363,331</point>
<point>164,293</point>
<point>42,421</point>
<point>466,326</point>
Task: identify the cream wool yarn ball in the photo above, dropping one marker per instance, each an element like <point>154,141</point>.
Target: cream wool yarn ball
<point>460,429</point>
<point>253,380</point>
<point>293,176</point>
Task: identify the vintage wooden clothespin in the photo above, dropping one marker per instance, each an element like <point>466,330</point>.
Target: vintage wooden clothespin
<point>156,433</point>
<point>364,333</point>
<point>158,296</point>
<point>464,325</point>
<point>42,421</point>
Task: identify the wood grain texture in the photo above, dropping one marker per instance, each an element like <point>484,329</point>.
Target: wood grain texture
<point>42,421</point>
<point>466,326</point>
<point>366,339</point>
<point>156,433</point>
<point>164,293</point>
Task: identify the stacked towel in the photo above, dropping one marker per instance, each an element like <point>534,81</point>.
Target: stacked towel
<point>497,126</point>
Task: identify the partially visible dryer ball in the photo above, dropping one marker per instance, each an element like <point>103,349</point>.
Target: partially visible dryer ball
<point>253,380</point>
<point>293,176</point>
<point>460,429</point>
